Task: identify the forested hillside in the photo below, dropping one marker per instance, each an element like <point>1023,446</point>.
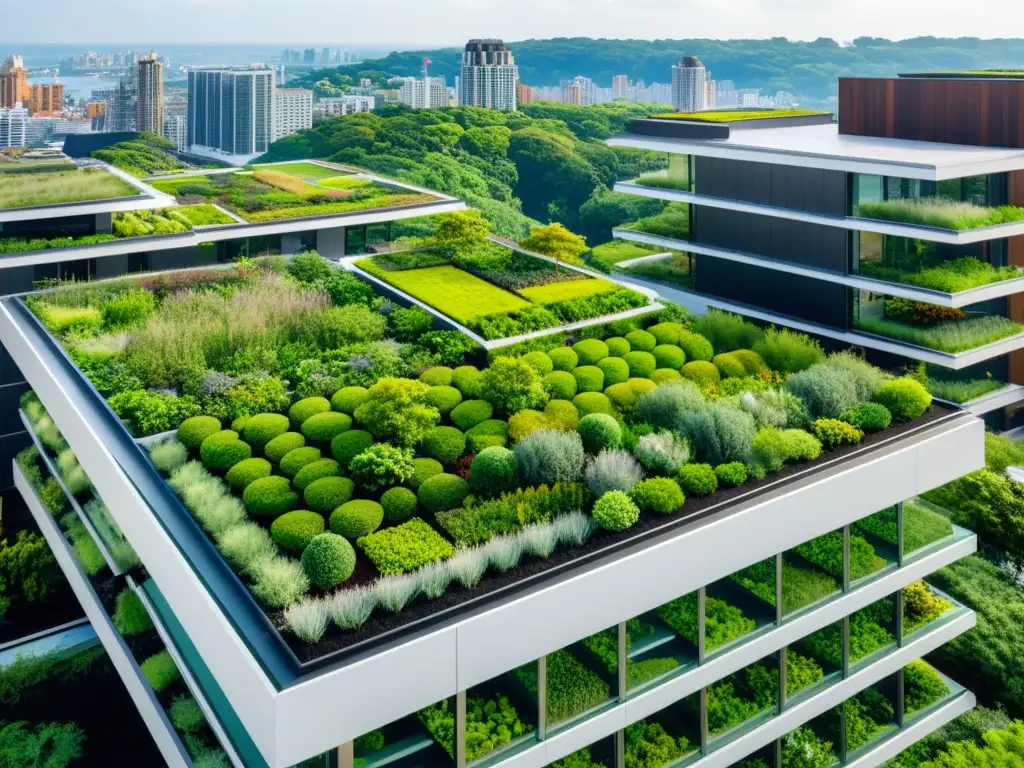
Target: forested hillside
<point>547,162</point>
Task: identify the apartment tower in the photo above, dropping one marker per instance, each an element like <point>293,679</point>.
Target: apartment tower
<point>489,75</point>
<point>231,113</point>
<point>689,85</point>
<point>150,107</point>
<point>14,87</point>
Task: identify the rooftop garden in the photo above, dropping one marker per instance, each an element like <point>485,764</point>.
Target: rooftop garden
<point>147,155</point>
<point>19,160</point>
<point>607,255</point>
<point>288,191</point>
<point>679,269</point>
<point>737,115</point>
<point>943,329</point>
<point>673,222</point>
<point>56,185</point>
<point>940,213</point>
<point>953,276</point>
<point>1001,73</point>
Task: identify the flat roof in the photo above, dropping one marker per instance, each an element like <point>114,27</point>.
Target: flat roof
<point>822,146</point>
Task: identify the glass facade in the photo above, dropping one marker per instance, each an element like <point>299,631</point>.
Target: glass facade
<point>678,174</point>
<point>977,190</point>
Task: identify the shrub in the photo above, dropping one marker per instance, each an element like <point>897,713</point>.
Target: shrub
<point>550,456</point>
<point>669,356</point>
<point>468,380</point>
<point>487,433</point>
<point>282,445</point>
<point>617,346</point>
<point>800,445</point>
<point>324,427</point>
<point>396,409</point>
<point>294,530</point>
<point>871,417</point>
<point>612,471</point>
<point>751,361</point>
<point>296,459</point>
<point>641,341</point>
<point>406,547</point>
<point>827,391</point>
<point>328,560</point>
<point>694,346</point>
<point>560,385</point>
<point>562,414</point>
<point>511,385</point>
<point>356,518</point>
<point>526,423</point>
<point>540,362</point>
<point>663,452</point>
<point>307,408</point>
<point>664,406</point>
<point>248,471</point>
<point>658,494</point>
<point>130,616</point>
<point>314,471</point>
<point>590,351</point>
<point>221,451</point>
<point>615,511</point>
<point>278,582</point>
<point>348,445</point>
<point>702,373</point>
<point>698,479</point>
<point>443,398</point>
<point>665,375</point>
<point>423,470</point>
<point>719,434</point>
<point>381,465</point>
<point>726,331</point>
<point>186,715</point>
<point>264,427</point>
<point>443,492</point>
<point>328,493</point>
<point>592,402</point>
<point>729,366</point>
<point>589,378</point>
<point>245,544</point>
<point>666,333</point>
<point>641,364</point>
<point>444,444</point>
<point>270,497</point>
<point>193,431</point>
<point>905,398</point>
<point>615,370</point>
<point>167,455</point>
<point>734,473</point>
<point>438,376</point>
<point>835,433</point>
<point>399,504</point>
<point>468,414</point>
<point>494,471</point>
<point>788,351</point>
<point>347,399</point>
<point>599,432</point>
<point>160,671</point>
<point>563,358</point>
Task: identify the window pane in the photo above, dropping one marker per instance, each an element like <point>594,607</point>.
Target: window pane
<point>655,652</point>
<point>574,689</point>
<point>745,699</point>
<point>424,739</point>
<point>872,631</point>
<point>921,606</point>
<point>812,572</point>
<point>813,745</point>
<point>670,736</point>
<point>501,718</point>
<point>814,662</point>
<point>870,715</point>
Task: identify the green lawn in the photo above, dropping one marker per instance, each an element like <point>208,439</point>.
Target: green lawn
<point>619,250</point>
<point>204,215</point>
<point>343,182</point>
<point>304,171</point>
<point>22,190</point>
<point>570,289</point>
<point>736,115</point>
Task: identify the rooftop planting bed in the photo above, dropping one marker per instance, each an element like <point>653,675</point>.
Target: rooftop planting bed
<point>673,222</point>
<point>360,471</point>
<point>940,213</point>
<point>288,191</point>
<point>680,269</point>
<point>971,73</point>
<point>738,115</point>
<point>54,184</point>
<point>943,329</point>
<point>607,255</point>
<point>951,276</point>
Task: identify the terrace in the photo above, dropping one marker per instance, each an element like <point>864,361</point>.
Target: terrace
<point>30,184</point>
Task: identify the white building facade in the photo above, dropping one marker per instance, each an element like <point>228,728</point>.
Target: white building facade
<point>689,85</point>
<point>488,77</point>
<point>424,93</point>
<point>293,111</point>
<point>13,127</point>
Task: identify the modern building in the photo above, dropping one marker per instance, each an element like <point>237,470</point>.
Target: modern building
<point>293,111</point>
<point>581,91</point>
<point>689,85</point>
<point>13,127</point>
<point>849,230</point>
<point>230,113</point>
<point>175,129</point>
<point>337,106</point>
<point>46,99</point>
<point>524,93</point>
<point>121,114</point>
<point>620,87</point>
<point>150,106</point>
<point>14,87</point>
<point>488,76</point>
<point>424,92</point>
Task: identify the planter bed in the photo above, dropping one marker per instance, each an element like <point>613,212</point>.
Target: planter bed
<point>42,187</point>
<point>963,391</point>
<point>673,222</point>
<point>962,274</point>
<point>951,336</point>
<point>940,213</point>
<point>606,256</point>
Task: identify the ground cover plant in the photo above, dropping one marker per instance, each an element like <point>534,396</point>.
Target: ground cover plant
<point>23,190</point>
<point>607,255</point>
<point>951,276</point>
<point>963,391</point>
<point>736,115</point>
<point>672,222</point>
<point>678,270</point>
<point>147,155</point>
<point>950,336</point>
<point>940,212</point>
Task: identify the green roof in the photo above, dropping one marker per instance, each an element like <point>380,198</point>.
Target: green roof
<point>980,74</point>
<point>737,115</point>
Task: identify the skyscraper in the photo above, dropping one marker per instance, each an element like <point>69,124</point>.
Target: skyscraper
<point>14,87</point>
<point>620,87</point>
<point>150,107</point>
<point>524,93</point>
<point>293,111</point>
<point>689,85</point>
<point>13,123</point>
<point>489,76</point>
<point>230,113</point>
<point>47,99</point>
<point>424,93</point>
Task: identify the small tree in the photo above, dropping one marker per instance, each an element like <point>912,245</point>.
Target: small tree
<point>461,231</point>
<point>556,241</point>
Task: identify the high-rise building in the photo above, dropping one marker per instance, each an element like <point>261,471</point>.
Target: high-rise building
<point>572,93</point>
<point>293,111</point>
<point>150,106</point>
<point>47,99</point>
<point>13,123</point>
<point>309,56</point>
<point>122,105</point>
<point>488,76</point>
<point>580,90</point>
<point>689,85</point>
<point>424,93</point>
<point>620,87</point>
<point>14,87</point>
<point>712,95</point>
<point>524,93</point>
<point>231,113</point>
<point>175,128</point>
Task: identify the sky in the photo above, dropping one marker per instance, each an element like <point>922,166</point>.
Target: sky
<point>415,23</point>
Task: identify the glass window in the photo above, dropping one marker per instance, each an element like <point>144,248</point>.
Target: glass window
<point>814,663</point>
<point>671,737</point>
<point>866,189</point>
<point>426,738</point>
<point>814,744</point>
<point>921,606</point>
<point>654,652</point>
<point>600,753</point>
<point>578,684</point>
<point>923,688</point>
<point>924,524</point>
<point>870,715</point>
<point>743,700</point>
<point>734,613</point>
<point>501,718</point>
<point>812,572</point>
<point>872,631</point>
<point>355,240</point>
<point>678,175</point>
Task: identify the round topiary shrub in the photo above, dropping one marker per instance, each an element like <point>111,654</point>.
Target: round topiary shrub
<point>871,417</point>
<point>248,471</point>
<point>698,479</point>
<point>563,358</point>
<point>438,376</point>
<point>193,431</point>
<point>324,427</point>
<point>494,471</point>
<point>443,492</point>
<point>561,414</point>
<point>590,351</point>
<point>423,470</point>
<point>445,444</point>
<point>467,379</point>
<point>615,511</point>
<point>264,427</point>
<point>269,496</point>
<point>666,333</point>
<point>354,519</point>
<point>734,473</point>
<point>905,398</point>
<point>625,396</point>
<point>525,423</point>
<point>281,445</point>
<point>599,432</point>
<point>617,346</point>
<point>294,530</point>
<point>615,369</point>
<point>701,373</point>
<point>348,445</point>
<point>669,356</point>
<point>399,504</point>
<point>561,385</point>
<point>347,399</point>
<point>729,366</point>
<point>314,471</point>
<point>658,494</point>
<point>539,361</point>
<point>641,341</point>
<point>641,364</point>
<point>307,408</point>
<point>328,560</point>
<point>589,378</point>
<point>443,398</point>
<point>642,386</point>
<point>752,362</point>
<point>470,413</point>
<point>661,375</point>
<point>222,450</point>
<point>695,346</point>
<point>593,402</point>
<point>328,493</point>
<point>487,433</point>
<point>295,460</point>
<point>239,424</point>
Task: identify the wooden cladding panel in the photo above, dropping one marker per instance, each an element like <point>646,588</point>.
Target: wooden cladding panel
<point>973,112</point>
